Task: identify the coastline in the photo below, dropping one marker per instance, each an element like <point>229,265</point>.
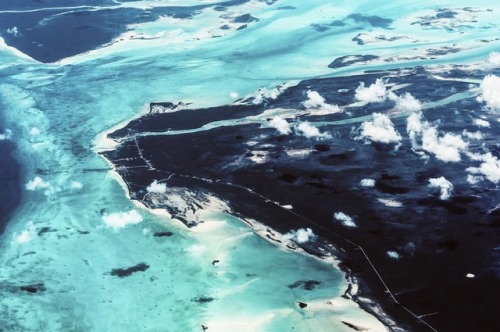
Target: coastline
<point>351,296</point>
<point>248,166</point>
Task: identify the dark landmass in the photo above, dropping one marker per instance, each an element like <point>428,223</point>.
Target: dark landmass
<point>450,19</point>
<point>305,284</point>
<point>302,305</point>
<point>359,40</point>
<point>34,288</point>
<point>80,30</point>
<point>348,60</point>
<point>163,234</point>
<point>203,299</point>
<point>10,187</point>
<point>354,327</point>
<point>44,230</point>
<point>245,18</point>
<point>128,271</point>
<point>439,242</point>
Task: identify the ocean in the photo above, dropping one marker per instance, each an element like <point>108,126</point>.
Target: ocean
<point>84,248</point>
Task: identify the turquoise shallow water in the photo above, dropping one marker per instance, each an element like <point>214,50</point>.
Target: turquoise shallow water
<point>58,236</point>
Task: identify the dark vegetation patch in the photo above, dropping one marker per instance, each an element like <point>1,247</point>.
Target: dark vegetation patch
<point>305,284</point>
<point>163,234</point>
<point>128,271</point>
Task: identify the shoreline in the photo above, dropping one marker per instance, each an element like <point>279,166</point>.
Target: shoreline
<point>404,271</point>
<point>351,294</point>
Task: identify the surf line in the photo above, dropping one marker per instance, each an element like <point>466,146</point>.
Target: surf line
<point>357,246</point>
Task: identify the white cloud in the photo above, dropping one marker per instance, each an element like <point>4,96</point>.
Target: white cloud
<point>234,95</point>
<point>490,92</point>
<point>344,219</point>
<point>308,130</point>
<point>390,202</point>
<point>259,156</point>
<point>7,134</point>
<point>380,129</point>
<point>299,153</point>
<point>473,179</point>
<point>367,183</point>
<point>489,168</point>
<point>494,59</point>
<point>119,220</point>
<point>13,31</point>
<point>414,128</point>
<point>472,135</point>
<point>446,148</point>
<point>406,102</point>
<point>37,183</point>
<point>301,235</point>
<point>263,94</point>
<point>393,255</point>
<point>27,235</point>
<point>316,102</point>
<point>425,137</point>
<point>445,187</point>
<point>375,93</point>
<point>481,123</point>
<point>155,187</point>
<point>281,125</point>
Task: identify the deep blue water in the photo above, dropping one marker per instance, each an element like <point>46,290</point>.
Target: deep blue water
<point>9,181</point>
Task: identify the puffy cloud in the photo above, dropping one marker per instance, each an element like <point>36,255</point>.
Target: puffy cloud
<point>367,183</point>
<point>406,102</point>
<point>490,92</point>
<point>301,235</point>
<point>473,179</point>
<point>390,202</point>
<point>393,255</point>
<point>489,168</point>
<point>414,127</point>
<point>308,130</point>
<point>155,187</point>
<point>7,134</point>
<point>13,31</point>
<point>27,235</point>
<point>316,102</point>
<point>445,187</point>
<point>264,94</point>
<point>375,93</point>
<point>234,95</point>
<point>344,219</point>
<point>472,135</point>
<point>380,129</point>
<point>425,137</point>
<point>37,183</point>
<point>481,123</point>
<point>119,220</point>
<point>446,148</point>
<point>281,125</point>
<point>494,59</point>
